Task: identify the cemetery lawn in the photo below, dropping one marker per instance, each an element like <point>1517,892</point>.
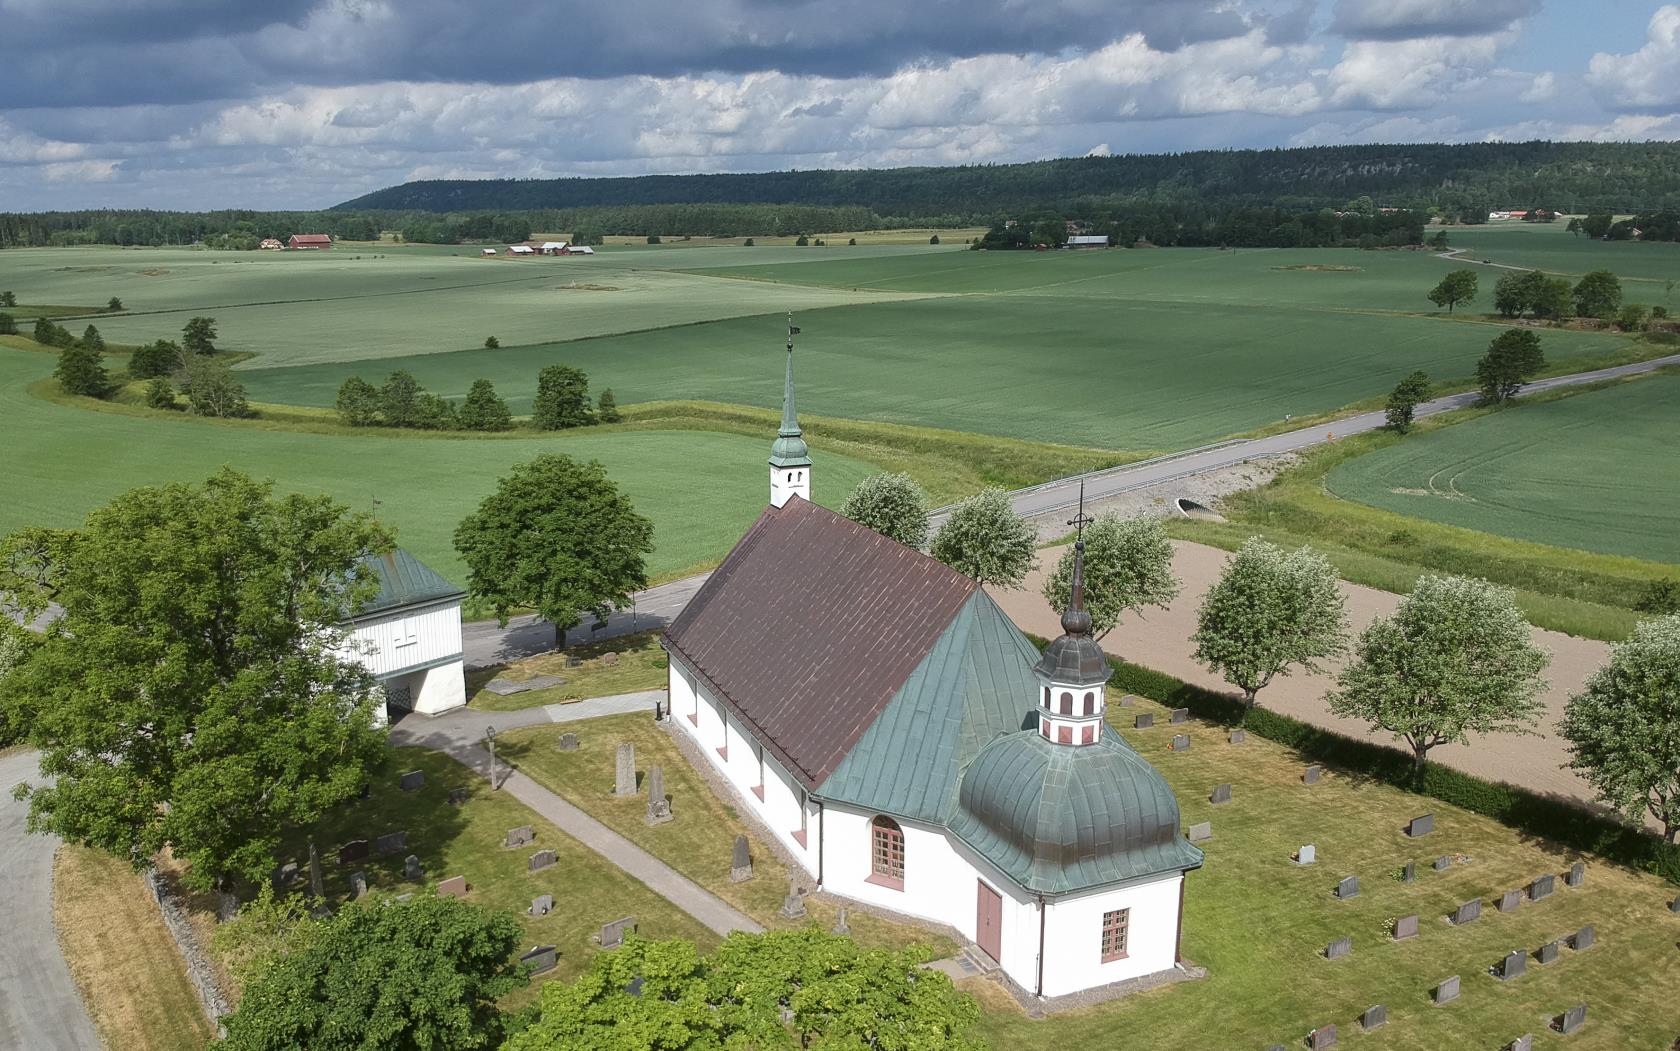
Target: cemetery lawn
<point>641,665</point>
<point>467,841</point>
<point>123,959</point>
<point>1259,923</point>
<point>698,843</point>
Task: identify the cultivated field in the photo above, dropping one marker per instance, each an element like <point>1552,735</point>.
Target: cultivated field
<point>1595,471</point>
<point>1645,269</point>
<point>700,490</point>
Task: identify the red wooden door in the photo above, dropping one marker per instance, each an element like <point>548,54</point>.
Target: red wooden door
<point>988,923</point>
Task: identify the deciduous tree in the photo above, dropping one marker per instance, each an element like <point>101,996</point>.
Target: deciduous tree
<point>192,693</point>
<point>1459,286</point>
<point>358,402</point>
<point>484,409</point>
<point>199,335</point>
<point>399,400</point>
<point>1455,659</point>
<point>606,407</point>
<point>114,304</point>
<point>1270,611</point>
<point>562,399</point>
<point>1599,295</point>
<point>81,371</point>
<point>419,975</point>
<point>1404,399</point>
<point>8,325</point>
<point>161,358</point>
<point>1512,359</point>
<point>984,538</point>
<point>1621,726</point>
<point>1128,565</point>
<point>8,299</point>
<point>211,387</point>
<point>892,505</point>
<point>160,393</point>
<point>555,536</point>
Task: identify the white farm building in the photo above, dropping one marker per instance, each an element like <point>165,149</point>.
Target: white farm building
<point>913,751</point>
<point>409,635</point>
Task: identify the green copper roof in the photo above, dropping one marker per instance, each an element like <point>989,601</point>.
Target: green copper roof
<point>975,683</point>
<point>1060,818</point>
<point>404,581</point>
<point>789,448</point>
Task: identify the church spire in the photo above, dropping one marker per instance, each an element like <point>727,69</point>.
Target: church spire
<point>1073,669</point>
<point>790,459</point>
<point>1075,619</point>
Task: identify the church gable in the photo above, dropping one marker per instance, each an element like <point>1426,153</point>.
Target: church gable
<point>810,627</point>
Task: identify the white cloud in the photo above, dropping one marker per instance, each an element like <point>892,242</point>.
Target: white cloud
<point>1650,77</point>
<point>1099,150</point>
<point>1540,89</point>
<point>1411,74</point>
<point>1417,19</point>
<point>81,171</point>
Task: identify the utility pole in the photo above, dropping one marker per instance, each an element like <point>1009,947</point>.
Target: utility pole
<point>490,743</point>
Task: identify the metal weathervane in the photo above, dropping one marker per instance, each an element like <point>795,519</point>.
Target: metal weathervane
<point>1080,520</point>
<point>793,330</point>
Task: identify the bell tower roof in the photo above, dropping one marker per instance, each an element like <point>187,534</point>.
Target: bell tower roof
<point>789,449</point>
<point>1075,658</point>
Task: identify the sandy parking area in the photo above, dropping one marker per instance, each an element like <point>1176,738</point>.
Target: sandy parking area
<point>1160,641</point>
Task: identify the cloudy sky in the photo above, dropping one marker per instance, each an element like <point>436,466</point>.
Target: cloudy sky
<point>303,103</point>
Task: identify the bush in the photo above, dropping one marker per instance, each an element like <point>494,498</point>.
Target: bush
<point>8,325</point>
<point>1632,318</point>
<point>607,407</point>
<point>358,402</point>
<point>748,243</point>
<point>1661,597</point>
<point>115,304</point>
<point>653,239</point>
<point>81,372</point>
<point>852,241</point>
<point>160,394</point>
<point>933,240</point>
<point>802,241</point>
<point>154,359</point>
<point>484,409</point>
<point>492,343</point>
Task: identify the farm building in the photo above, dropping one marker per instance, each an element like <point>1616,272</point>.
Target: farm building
<point>318,241</point>
<point>913,751</point>
<point>271,244</point>
<point>522,250</point>
<point>487,251</point>
<point>578,250</point>
<point>552,248</point>
<point>1088,241</point>
<point>409,635</point>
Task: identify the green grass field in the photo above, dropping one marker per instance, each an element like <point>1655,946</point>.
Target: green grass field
<point>700,490</point>
<point>1596,471</point>
<point>1645,269</point>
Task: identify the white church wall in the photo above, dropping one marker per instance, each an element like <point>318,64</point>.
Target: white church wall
<point>405,639</point>
<point>1073,935</point>
<point>441,688</point>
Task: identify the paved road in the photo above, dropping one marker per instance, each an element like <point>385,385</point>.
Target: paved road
<point>40,1009</point>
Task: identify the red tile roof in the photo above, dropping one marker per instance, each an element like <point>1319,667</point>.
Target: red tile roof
<point>810,627</point>
<point>311,239</point>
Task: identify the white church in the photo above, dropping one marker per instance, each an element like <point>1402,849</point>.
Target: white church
<point>409,635</point>
<point>915,752</point>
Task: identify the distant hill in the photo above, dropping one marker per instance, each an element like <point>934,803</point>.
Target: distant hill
<point>1571,176</point>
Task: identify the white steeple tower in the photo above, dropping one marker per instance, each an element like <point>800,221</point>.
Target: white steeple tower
<point>1073,671</point>
<point>790,460</point>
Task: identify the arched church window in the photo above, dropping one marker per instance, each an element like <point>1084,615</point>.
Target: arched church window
<point>1067,703</point>
<point>886,855</point>
<point>1047,697</point>
<point>1090,702</point>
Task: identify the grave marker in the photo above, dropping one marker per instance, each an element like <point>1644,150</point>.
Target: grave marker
<point>411,868</point>
<point>740,862</point>
<point>1573,1019</point>
<point>1541,888</point>
<point>1583,938</point>
<point>793,906</point>
<point>1311,774</point>
<point>1181,742</point>
<point>1348,888</point>
<point>841,927</point>
<point>453,887</point>
<point>1547,952</point>
<point>1576,875</point>
<point>658,807</point>
<point>1521,1043</point>
<point>285,875</point>
<point>1674,906</point>
<point>1202,832</point>
<point>1373,1017</point>
<point>412,780</point>
<point>541,905</point>
<point>1509,900</point>
<point>1238,737</point>
<point>390,843</point>
<point>1406,927</point>
<point>1469,912</point>
<point>1443,863</point>
<point>1307,855</point>
<point>358,885</point>
<point>518,837</point>
<point>542,859</point>
<point>1420,826</point>
<point>1180,715</point>
<point>1511,966</point>
<point>568,742</point>
<point>352,852</point>
<point>624,784</point>
<point>458,796</point>
<point>1143,722</point>
<point>539,959</point>
<point>1126,700</point>
<point>612,934</point>
<point>1339,948</point>
<point>1322,1037</point>
<point>1409,872</point>
<point>1447,991</point>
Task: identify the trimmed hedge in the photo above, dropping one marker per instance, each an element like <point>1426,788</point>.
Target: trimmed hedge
<point>1530,813</point>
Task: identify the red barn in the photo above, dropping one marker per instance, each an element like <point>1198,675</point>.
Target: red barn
<point>321,241</point>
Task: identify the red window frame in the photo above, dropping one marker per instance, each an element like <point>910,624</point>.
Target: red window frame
<point>886,853</point>
<point>1116,930</point>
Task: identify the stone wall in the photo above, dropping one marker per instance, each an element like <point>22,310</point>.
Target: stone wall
<point>195,956</point>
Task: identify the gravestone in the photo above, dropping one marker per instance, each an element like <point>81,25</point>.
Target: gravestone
<point>1521,1043</point>
<point>1181,742</point>
<point>841,927</point>
<point>390,843</point>
<point>1469,912</point>
<point>1311,774</point>
<point>542,859</point>
<point>1238,737</point>
<point>1322,1037</point>
<point>793,906</point>
<point>285,875</point>
<point>1443,863</point>
<point>1348,888</point>
<point>1126,700</point>
<point>624,783</point>
<point>1447,990</point>
<point>1674,906</point>
<point>411,868</point>
<point>458,796</point>
<point>1180,715</point>
<point>1541,888</point>
<point>658,807</point>
<point>1510,900</point>
<point>1420,826</point>
<point>1221,795</point>
<point>1573,1019</point>
<point>453,887</point>
<point>409,896</point>
<point>539,959</point>
<point>1405,927</point>
<point>412,780</point>
<point>1202,832</point>
<point>568,742</point>
<point>1547,952</point>
<point>1306,855</point>
<point>740,862</point>
<point>518,837</point>
<point>1511,966</point>
<point>1583,938</point>
<point>1143,722</point>
<point>610,659</point>
<point>1576,875</point>
<point>1374,1016</point>
<point>352,852</point>
<point>315,872</point>
<point>358,885</point>
<point>1339,948</point>
<point>612,934</point>
<point>541,905</point>
<point>1408,872</point>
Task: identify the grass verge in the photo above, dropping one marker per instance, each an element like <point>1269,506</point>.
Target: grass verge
<point>639,664</point>
<point>124,962</point>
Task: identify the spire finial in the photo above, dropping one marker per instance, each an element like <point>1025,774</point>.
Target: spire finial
<point>1075,619</point>
<point>790,418</point>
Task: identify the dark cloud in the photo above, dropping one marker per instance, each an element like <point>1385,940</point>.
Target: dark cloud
<point>121,52</point>
<point>1414,19</point>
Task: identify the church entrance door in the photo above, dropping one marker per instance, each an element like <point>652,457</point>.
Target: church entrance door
<point>988,923</point>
